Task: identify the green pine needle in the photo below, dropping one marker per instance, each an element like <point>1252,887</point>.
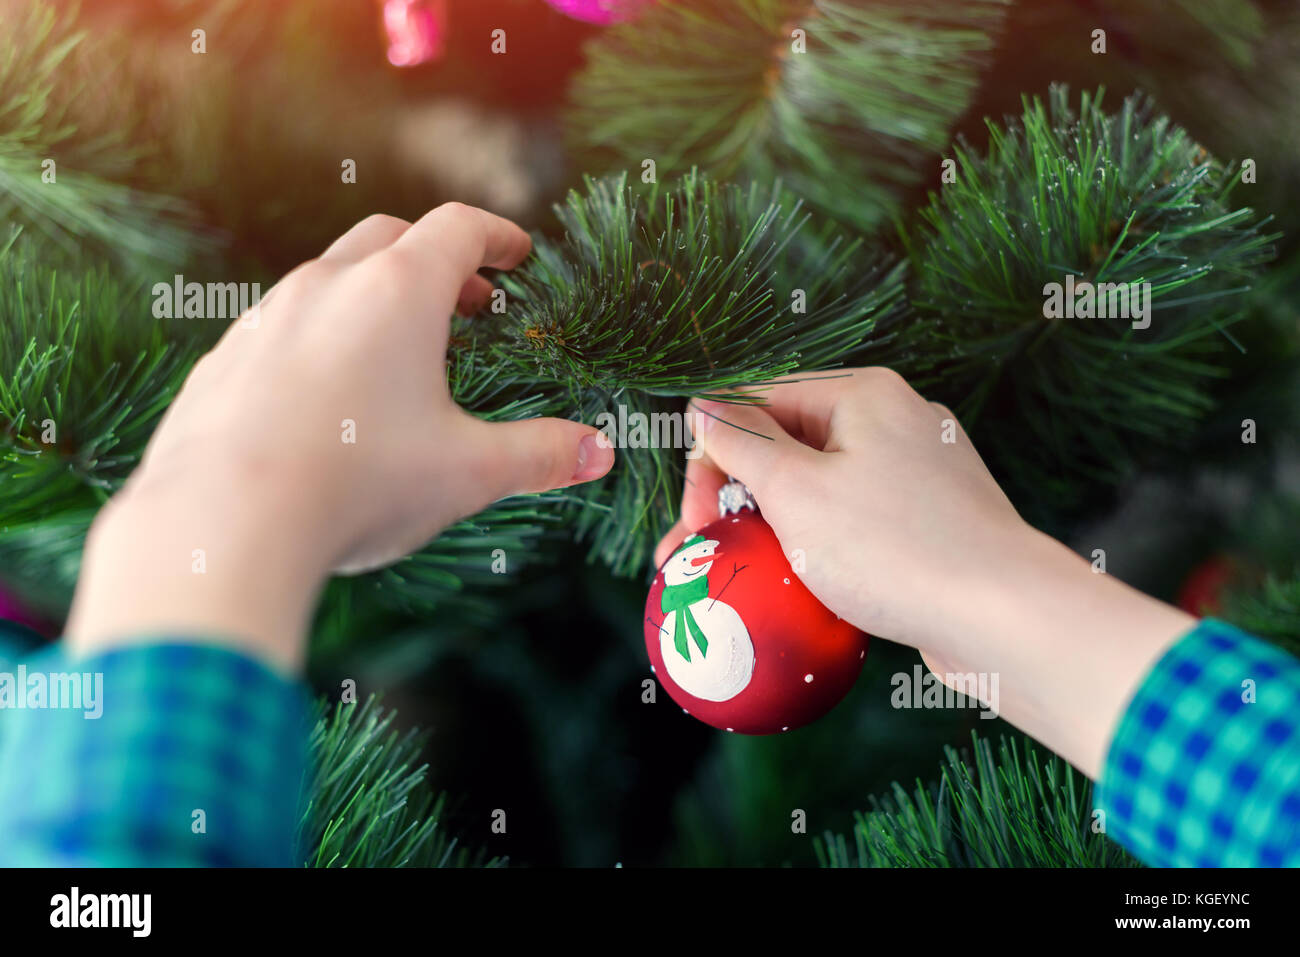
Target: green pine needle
<point>1271,611</point>
<point>1010,811</point>
<point>455,571</point>
<point>87,374</point>
<point>692,288</point>
<point>847,123</point>
<point>368,803</point>
<point>52,93</point>
<point>1111,198</point>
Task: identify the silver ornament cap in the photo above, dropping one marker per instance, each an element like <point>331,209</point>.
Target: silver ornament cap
<point>733,497</point>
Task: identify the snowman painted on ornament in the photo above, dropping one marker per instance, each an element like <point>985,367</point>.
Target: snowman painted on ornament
<point>704,643</point>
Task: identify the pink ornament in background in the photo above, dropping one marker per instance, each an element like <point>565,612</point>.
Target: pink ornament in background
<point>416,30</point>
<point>598,11</point>
<point>14,609</point>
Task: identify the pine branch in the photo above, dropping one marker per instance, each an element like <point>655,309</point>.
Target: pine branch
<point>1009,811</point>
<point>87,373</point>
<point>848,124</point>
<point>1147,39</point>
<point>55,108</point>
<point>367,803</point>
<point>81,214</point>
<point>1271,611</point>
<point>1123,198</point>
<point>41,558</point>
<point>1233,26</point>
<point>456,572</point>
<point>690,289</point>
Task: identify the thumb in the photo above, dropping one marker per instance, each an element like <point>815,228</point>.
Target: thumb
<point>743,440</point>
<point>535,455</point>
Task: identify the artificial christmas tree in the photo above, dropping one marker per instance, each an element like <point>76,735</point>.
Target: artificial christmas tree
<point>775,189</point>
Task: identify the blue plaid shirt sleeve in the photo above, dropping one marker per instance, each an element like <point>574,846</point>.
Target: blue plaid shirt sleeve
<point>1204,768</point>
<point>196,758</point>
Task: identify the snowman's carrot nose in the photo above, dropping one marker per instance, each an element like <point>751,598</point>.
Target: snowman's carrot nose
<point>705,559</point>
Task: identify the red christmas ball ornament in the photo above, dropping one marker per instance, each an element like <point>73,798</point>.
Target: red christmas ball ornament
<point>1203,590</point>
<point>736,638</point>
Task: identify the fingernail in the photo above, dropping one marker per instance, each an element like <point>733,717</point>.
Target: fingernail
<point>594,460</point>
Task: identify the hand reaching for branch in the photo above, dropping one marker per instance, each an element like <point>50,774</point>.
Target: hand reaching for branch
<point>318,435</point>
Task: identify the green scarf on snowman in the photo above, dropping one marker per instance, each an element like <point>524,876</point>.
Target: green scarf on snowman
<point>679,598</point>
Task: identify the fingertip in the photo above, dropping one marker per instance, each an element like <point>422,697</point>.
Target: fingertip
<point>508,244</point>
<point>474,295</point>
<point>595,458</point>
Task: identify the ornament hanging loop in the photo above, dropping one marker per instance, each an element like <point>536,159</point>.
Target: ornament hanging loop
<point>735,496</point>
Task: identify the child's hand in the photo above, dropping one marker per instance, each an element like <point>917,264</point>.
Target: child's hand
<point>881,491</point>
<point>904,532</point>
<point>319,434</point>
<point>339,393</point>
<point>897,518</point>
